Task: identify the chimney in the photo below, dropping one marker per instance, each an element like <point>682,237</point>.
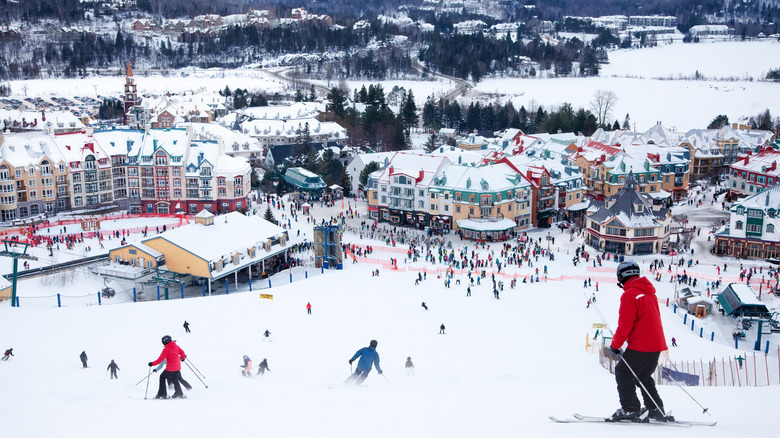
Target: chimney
<point>129,146</point>
<point>391,170</point>
<point>747,159</point>
<point>767,198</point>
<point>422,174</point>
<point>774,165</point>
<point>154,142</point>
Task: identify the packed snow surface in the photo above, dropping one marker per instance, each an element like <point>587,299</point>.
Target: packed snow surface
<point>501,368</point>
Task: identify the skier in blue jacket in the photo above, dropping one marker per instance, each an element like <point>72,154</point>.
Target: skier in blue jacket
<point>368,358</point>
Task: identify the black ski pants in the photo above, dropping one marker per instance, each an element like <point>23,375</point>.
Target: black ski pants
<point>643,364</point>
<point>171,377</point>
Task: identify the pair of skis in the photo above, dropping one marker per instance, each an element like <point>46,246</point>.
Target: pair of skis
<point>578,418</point>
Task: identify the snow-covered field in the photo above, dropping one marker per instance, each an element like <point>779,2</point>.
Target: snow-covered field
<point>681,104</point>
<point>501,369</point>
<point>732,59</point>
<point>177,81</point>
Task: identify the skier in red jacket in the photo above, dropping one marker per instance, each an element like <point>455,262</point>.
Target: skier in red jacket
<point>639,323</point>
<point>174,356</point>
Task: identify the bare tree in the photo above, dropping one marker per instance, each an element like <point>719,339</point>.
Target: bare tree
<point>602,104</point>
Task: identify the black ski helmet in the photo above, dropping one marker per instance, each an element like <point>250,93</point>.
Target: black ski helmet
<point>626,270</point>
<point>373,343</point>
<point>166,339</point>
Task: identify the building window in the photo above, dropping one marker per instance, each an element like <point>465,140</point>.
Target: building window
<point>457,209</point>
<point>754,213</point>
<point>770,228</point>
<point>753,228</point>
<point>738,225</point>
<point>457,197</point>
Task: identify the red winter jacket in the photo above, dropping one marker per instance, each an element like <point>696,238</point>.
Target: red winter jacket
<point>173,354</point>
<point>639,320</point>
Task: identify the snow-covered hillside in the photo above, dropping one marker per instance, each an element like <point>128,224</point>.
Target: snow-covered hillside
<point>502,367</point>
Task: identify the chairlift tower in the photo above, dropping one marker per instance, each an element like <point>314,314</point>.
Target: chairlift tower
<point>7,252</point>
<point>327,246</point>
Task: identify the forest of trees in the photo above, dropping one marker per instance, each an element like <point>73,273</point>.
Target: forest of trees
<point>491,118</point>
<point>340,52</point>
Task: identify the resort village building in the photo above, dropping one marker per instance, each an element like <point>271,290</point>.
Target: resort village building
<point>629,223</point>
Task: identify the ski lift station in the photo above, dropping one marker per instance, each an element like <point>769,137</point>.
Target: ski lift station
<point>213,248</point>
<point>739,300</point>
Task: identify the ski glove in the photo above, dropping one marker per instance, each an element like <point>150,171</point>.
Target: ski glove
<point>350,361</point>
<point>182,359</point>
<point>615,351</point>
<point>150,364</point>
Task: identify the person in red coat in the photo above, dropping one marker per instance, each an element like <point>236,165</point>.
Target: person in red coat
<point>174,356</point>
<point>639,324</point>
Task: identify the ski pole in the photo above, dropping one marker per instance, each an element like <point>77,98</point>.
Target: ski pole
<point>193,366</point>
<point>704,410</point>
<point>620,355</point>
<point>147,376</point>
<point>147,382</point>
<point>388,380</point>
<point>196,374</point>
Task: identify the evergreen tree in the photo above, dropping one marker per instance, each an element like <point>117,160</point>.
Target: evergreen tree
<point>368,170</point>
<point>429,113</point>
<point>718,122</point>
<point>409,113</point>
<point>616,126</point>
<point>432,143</point>
<point>627,123</point>
<point>269,215</point>
<point>337,99</point>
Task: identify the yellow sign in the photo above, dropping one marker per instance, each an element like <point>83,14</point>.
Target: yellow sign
<point>267,296</point>
<point>598,325</point>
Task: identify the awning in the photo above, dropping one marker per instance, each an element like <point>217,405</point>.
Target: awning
<point>663,194</point>
<point>544,214</point>
<point>486,224</point>
<point>578,206</point>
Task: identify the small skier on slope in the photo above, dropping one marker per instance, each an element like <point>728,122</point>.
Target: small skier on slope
<point>174,356</point>
<point>113,367</point>
<point>263,367</point>
<point>368,358</point>
<point>246,368</point>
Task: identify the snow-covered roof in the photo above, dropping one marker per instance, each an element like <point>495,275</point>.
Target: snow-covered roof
<point>765,200</point>
<point>24,149</point>
<point>120,141</point>
<point>234,141</point>
<point>73,146</point>
<point>632,209</point>
<point>745,294</point>
<point>230,233</point>
<point>765,162</point>
<point>486,225</point>
<point>412,165</point>
<point>493,177</point>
